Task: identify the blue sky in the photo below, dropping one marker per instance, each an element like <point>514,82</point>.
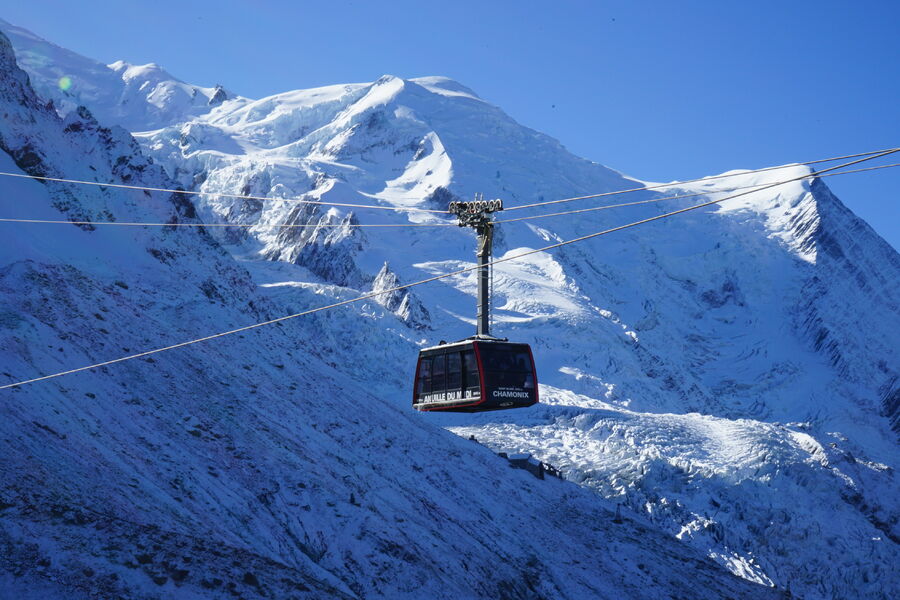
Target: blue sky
<point>660,90</point>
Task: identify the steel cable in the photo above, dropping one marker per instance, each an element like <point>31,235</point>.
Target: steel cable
<point>220,225</point>
<point>712,178</point>
<point>678,196</point>
<point>391,225</point>
<point>235,196</point>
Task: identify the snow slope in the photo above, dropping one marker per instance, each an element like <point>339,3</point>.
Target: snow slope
<point>729,375</point>
<point>250,467</point>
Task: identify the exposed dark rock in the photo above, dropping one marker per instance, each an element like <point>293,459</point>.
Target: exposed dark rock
<point>219,96</point>
<point>440,199</point>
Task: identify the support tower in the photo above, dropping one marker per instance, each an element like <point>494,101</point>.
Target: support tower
<point>476,215</point>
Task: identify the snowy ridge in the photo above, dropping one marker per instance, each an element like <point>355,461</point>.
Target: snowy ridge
<point>712,373</point>
<point>137,97</point>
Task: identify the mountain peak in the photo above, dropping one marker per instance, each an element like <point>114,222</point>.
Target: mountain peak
<point>150,70</point>
<point>7,53</point>
<point>15,81</point>
<point>445,86</point>
<point>387,78</point>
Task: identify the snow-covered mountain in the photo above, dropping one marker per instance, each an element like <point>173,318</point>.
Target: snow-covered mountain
<point>252,468</point>
<point>742,320</point>
<point>137,97</point>
<point>729,375</point>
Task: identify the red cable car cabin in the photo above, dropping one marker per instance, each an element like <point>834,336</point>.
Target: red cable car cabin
<point>475,376</point>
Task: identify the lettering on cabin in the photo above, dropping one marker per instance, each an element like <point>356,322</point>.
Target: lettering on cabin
<point>451,395</point>
<point>510,394</point>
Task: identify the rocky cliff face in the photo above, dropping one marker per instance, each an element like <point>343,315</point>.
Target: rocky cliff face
<point>400,302</point>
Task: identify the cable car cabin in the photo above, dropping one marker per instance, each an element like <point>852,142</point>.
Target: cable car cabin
<point>475,376</point>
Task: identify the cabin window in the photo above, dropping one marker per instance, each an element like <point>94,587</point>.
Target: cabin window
<point>425,375</point>
<point>470,374</point>
<point>454,371</point>
<point>522,362</point>
<point>439,374</point>
<point>507,367</point>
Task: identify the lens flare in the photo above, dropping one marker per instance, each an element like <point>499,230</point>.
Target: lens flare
<point>65,83</point>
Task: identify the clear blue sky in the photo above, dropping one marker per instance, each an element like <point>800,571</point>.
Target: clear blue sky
<point>658,89</point>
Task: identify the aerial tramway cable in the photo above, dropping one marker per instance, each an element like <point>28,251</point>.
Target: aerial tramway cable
<point>222,225</point>
<point>711,178</point>
<point>397,208</point>
<point>443,276</point>
<point>395,225</point>
<point>679,196</point>
<point>235,196</point>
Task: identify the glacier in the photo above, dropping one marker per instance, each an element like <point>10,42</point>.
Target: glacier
<point>712,375</point>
